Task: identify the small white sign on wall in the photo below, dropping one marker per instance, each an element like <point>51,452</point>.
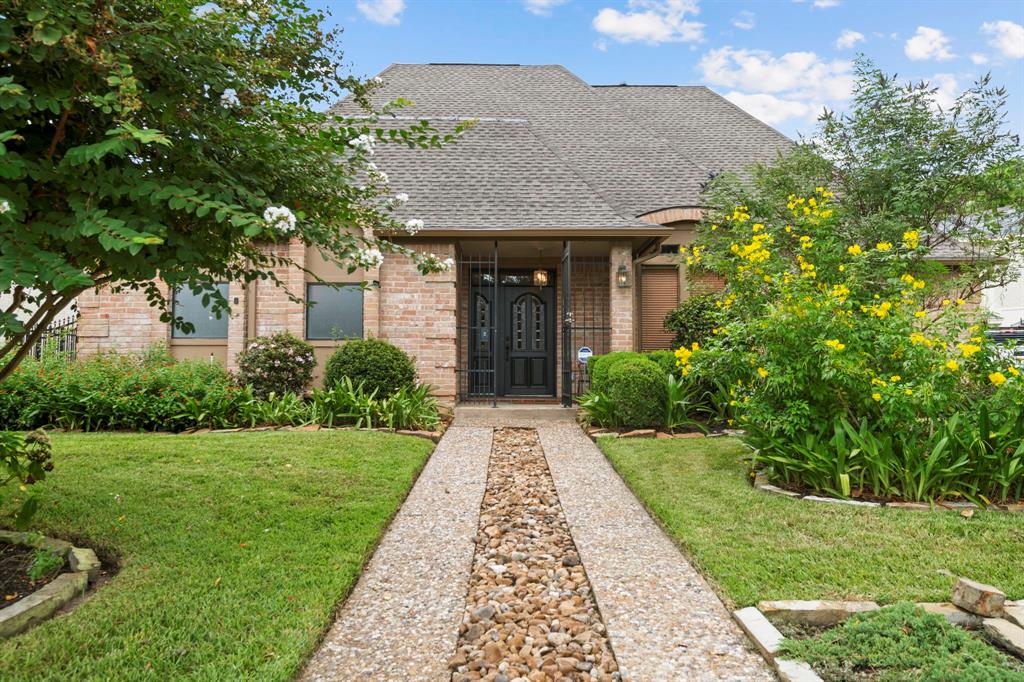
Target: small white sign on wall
<point>583,354</point>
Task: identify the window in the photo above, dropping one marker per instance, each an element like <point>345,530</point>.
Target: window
<point>335,313</point>
<point>190,306</point>
<point>670,249</point>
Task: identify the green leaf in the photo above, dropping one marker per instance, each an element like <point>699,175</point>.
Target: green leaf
<point>47,35</point>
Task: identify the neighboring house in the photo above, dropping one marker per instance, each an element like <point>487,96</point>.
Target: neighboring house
<point>1007,302</point>
<point>562,208</point>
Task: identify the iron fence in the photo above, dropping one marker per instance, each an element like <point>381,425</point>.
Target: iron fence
<point>60,338</point>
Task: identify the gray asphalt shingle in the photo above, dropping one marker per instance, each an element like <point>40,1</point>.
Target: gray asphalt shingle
<point>552,151</point>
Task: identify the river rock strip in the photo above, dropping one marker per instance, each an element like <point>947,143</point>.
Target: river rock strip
<point>530,612</point>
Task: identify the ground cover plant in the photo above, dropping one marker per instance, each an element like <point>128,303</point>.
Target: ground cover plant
<point>754,546</point>
<point>233,549</point>
<point>902,643</point>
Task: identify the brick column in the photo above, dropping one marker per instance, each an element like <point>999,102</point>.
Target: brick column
<point>275,312</point>
<point>418,314</point>
<point>620,301</point>
<point>122,322</point>
<point>238,322</point>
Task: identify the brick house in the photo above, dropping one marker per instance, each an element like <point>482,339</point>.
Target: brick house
<point>563,208</point>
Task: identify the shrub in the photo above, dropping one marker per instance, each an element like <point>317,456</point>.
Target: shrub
<point>598,409</point>
<point>109,391</point>
<point>665,359</point>
<point>377,365</point>
<point>637,387</point>
<point>843,374</point>
<point>600,365</point>
<point>693,320</point>
<point>279,364</point>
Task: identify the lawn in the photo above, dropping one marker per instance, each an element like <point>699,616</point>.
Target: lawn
<point>756,546</point>
<point>234,549</point>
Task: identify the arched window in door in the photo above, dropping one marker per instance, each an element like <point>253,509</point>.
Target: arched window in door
<point>528,333</point>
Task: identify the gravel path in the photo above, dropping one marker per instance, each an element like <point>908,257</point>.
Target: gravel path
<point>530,614</point>
<point>664,621</point>
<point>402,618</point>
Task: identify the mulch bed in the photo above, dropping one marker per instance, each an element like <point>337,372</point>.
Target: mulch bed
<point>15,584</point>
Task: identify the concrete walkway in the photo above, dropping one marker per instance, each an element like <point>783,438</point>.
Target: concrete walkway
<point>401,621</point>
<point>664,621</point>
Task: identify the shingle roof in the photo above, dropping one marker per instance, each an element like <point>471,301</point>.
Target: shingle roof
<point>553,151</point>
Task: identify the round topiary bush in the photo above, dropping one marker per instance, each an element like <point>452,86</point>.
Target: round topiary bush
<point>279,364</point>
<point>693,319</point>
<point>600,365</point>
<point>665,359</point>
<point>376,363</point>
<point>637,387</point>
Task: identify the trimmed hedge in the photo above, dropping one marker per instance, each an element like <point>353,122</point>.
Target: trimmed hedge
<point>638,387</point>
<point>375,363</point>
<point>693,319</point>
<point>600,365</point>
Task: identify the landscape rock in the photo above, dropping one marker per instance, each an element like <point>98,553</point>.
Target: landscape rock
<point>1005,634</point>
<point>819,613</point>
<point>1014,614</point>
<point>978,598</point>
<point>530,613</point>
<point>639,433</point>
<point>84,559</point>
<point>953,614</point>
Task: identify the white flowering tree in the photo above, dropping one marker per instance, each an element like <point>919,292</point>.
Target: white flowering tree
<point>168,140</point>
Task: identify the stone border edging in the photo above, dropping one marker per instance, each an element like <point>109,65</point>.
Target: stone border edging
<point>761,483</point>
<point>433,436</point>
<point>44,602</point>
<point>767,638</point>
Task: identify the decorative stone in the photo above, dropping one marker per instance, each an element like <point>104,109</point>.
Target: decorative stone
<point>84,559</point>
<point>1005,634</point>
<point>978,598</point>
<point>775,490</point>
<point>42,603</point>
<point>819,613</point>
<point>432,436</point>
<point>639,433</point>
<point>953,614</point>
<point>764,635</point>
<point>689,434</point>
<point>912,506</point>
<point>662,434</point>
<point>1014,614</point>
<point>836,500</point>
<point>795,671</point>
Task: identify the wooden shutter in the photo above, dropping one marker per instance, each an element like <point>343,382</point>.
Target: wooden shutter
<point>659,294</point>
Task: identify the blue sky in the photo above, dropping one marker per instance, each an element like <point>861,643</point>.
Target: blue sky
<point>782,60</point>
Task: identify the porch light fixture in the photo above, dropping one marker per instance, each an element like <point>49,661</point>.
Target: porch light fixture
<point>622,277</point>
<point>540,278</point>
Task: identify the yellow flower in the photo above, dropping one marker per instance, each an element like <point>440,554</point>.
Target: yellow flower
<point>997,378</point>
<point>762,372</point>
<point>946,301</point>
<point>895,378</point>
<point>907,391</point>
<point>920,313</point>
<point>1013,370</point>
<point>842,268</point>
<point>952,365</point>
<point>968,349</point>
<point>855,250</point>
<point>835,344</point>
<point>883,246</point>
<point>910,239</point>
<point>961,301</point>
<point>876,396</point>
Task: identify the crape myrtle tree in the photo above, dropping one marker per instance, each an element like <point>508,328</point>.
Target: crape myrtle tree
<point>898,162</point>
<point>168,140</point>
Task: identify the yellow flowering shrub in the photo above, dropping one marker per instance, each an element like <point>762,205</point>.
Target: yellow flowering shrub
<point>823,337</point>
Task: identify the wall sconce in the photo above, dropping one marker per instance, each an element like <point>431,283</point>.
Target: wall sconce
<point>622,277</point>
<point>540,278</point>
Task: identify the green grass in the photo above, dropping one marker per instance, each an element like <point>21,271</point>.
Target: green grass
<point>902,643</point>
<point>235,549</point>
<point>756,546</point>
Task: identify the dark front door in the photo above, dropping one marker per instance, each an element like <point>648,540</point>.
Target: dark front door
<point>527,336</point>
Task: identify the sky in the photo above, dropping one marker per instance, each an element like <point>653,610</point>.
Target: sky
<point>781,60</point>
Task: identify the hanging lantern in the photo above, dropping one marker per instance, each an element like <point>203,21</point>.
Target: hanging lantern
<point>540,278</point>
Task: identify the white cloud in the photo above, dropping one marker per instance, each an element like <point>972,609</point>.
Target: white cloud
<point>978,58</point>
<point>386,12</point>
<point>826,4</point>
<point>744,20</point>
<point>946,90</point>
<point>651,22</point>
<point>928,43</point>
<point>1007,37</point>
<point>601,44</point>
<point>771,109</point>
<point>542,8</point>
<point>848,39</point>
<point>794,72</point>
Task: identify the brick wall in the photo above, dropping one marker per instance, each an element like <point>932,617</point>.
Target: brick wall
<point>418,314</point>
<point>275,312</point>
<point>701,281</point>
<point>123,322</point>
